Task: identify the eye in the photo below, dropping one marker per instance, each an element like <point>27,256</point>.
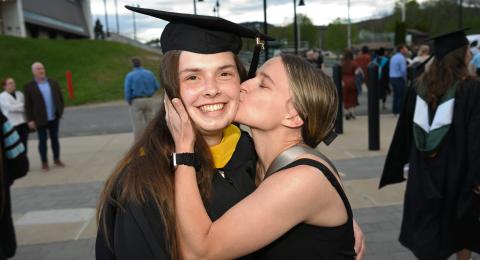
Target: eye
<point>262,85</point>
<point>191,77</point>
<point>227,74</point>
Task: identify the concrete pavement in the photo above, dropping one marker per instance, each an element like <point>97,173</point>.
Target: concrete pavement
<point>54,211</point>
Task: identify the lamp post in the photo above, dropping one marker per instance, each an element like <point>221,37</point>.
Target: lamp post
<point>218,8</point>
<point>265,27</point>
<point>106,17</point>
<point>116,17</point>
<point>460,15</point>
<point>295,29</point>
<point>349,28</point>
<point>195,6</point>
<point>134,25</point>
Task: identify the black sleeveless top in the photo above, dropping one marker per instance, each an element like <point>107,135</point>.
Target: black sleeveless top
<point>305,241</point>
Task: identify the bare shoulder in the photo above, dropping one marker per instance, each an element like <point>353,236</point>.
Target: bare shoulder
<point>304,179</point>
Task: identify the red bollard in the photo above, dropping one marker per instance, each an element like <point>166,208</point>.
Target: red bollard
<point>68,74</point>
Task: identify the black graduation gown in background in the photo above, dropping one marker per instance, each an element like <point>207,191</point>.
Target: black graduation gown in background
<point>138,233</point>
<point>14,166</point>
<point>441,212</point>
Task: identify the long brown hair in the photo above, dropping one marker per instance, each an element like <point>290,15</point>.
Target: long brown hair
<point>315,98</point>
<point>442,74</point>
<point>145,172</point>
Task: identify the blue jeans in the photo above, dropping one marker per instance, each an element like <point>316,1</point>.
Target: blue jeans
<point>398,85</point>
<point>52,128</point>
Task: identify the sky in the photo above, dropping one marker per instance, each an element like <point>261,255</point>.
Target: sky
<point>279,12</point>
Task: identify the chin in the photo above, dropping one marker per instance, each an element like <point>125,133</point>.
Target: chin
<point>213,127</point>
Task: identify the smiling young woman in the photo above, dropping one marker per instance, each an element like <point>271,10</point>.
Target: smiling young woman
<point>136,211</point>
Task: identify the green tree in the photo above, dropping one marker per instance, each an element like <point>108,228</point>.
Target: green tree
<point>308,32</point>
<point>335,37</point>
<point>400,33</point>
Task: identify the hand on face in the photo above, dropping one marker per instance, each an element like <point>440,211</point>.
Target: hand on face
<point>180,126</point>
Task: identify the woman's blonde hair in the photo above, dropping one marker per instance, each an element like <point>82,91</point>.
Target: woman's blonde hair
<point>314,96</point>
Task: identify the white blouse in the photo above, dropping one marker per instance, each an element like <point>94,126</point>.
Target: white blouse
<point>13,109</point>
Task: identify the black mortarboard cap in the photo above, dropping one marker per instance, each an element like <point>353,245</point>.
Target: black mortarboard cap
<point>200,33</point>
<point>448,42</point>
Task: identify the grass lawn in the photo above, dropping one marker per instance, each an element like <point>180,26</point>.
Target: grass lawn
<point>98,67</point>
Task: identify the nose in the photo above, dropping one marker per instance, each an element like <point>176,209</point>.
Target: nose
<point>244,87</point>
<point>211,88</point>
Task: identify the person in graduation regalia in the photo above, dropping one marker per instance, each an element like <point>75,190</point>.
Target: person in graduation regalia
<point>136,212</point>
<point>438,136</point>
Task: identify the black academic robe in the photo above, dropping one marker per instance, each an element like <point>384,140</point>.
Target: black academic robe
<point>137,232</point>
<point>441,212</point>
<point>14,166</point>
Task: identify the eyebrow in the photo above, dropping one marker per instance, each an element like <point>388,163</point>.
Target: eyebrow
<point>263,74</point>
<point>194,69</point>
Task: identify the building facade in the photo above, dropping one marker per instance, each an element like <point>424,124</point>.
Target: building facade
<point>63,19</point>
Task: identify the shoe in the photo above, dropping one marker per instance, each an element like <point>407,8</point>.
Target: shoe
<point>59,163</point>
<point>45,167</point>
<point>348,116</point>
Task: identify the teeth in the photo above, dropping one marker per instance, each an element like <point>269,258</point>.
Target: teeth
<point>211,108</point>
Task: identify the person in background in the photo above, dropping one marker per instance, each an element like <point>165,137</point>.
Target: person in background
<point>12,104</point>
<point>140,86</point>
<point>44,108</point>
<point>398,77</point>
<point>362,60</point>
<point>13,164</point>
<point>350,100</point>
<point>437,135</point>
<point>382,62</point>
<point>475,63</point>
<point>422,55</point>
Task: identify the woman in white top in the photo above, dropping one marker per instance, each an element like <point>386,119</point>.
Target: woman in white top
<point>12,104</point>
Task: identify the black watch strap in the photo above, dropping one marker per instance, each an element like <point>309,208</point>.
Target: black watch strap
<point>185,159</point>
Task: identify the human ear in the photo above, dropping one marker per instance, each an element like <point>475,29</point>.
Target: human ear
<point>292,118</point>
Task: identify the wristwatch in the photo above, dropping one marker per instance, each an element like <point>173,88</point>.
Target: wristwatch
<point>185,159</point>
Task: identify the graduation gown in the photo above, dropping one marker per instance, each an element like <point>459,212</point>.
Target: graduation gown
<point>15,163</point>
<point>137,232</point>
<point>441,212</point>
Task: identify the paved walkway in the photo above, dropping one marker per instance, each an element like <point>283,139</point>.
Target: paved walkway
<point>54,212</point>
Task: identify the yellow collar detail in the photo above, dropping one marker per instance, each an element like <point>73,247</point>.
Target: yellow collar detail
<point>223,152</point>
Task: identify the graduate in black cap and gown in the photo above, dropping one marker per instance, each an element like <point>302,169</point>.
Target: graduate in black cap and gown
<point>136,212</point>
<point>438,136</point>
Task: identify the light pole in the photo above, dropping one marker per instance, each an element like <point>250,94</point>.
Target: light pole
<point>195,6</point>
<point>134,25</point>
<point>460,15</point>
<point>265,27</point>
<point>403,11</point>
<point>116,17</point>
<point>218,8</point>
<point>349,28</point>
<point>295,29</point>
<point>106,17</point>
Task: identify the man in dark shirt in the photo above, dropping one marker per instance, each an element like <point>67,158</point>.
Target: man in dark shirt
<point>44,108</point>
